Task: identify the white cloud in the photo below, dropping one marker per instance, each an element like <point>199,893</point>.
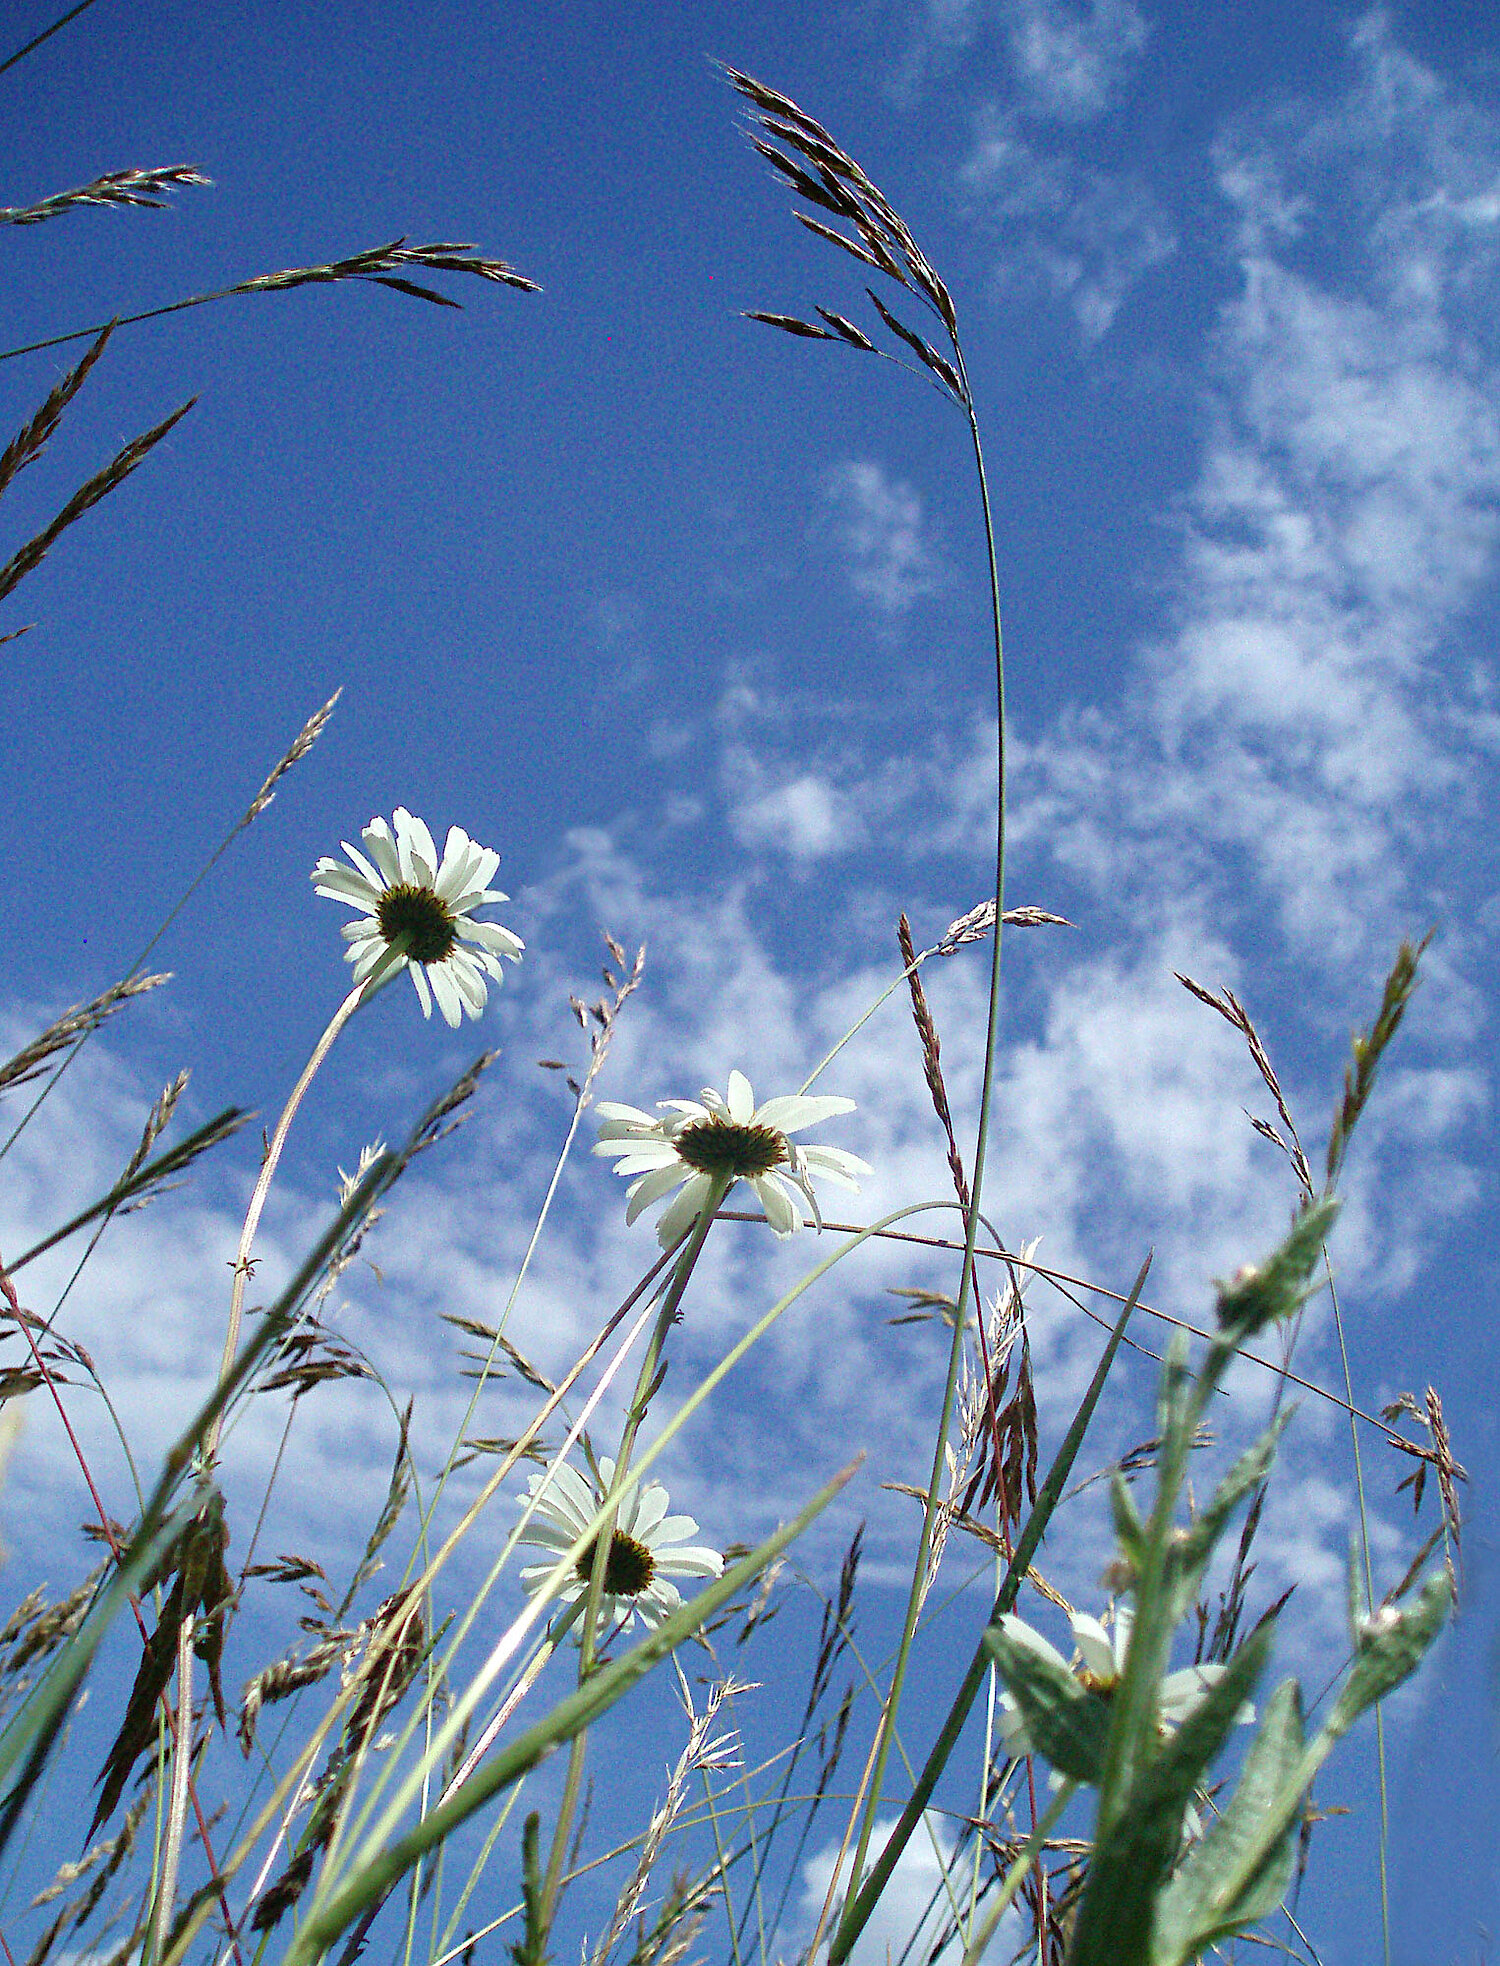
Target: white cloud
<point>1068,230</point>
<point>915,1908</point>
<point>877,522</point>
<point>806,818</point>
<point>1071,60</point>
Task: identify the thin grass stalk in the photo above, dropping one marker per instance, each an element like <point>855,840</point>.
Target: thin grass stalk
<point>1369,1585</point>
<point>242,1264</point>
<point>588,1636</point>
<point>375,264</point>
<point>506,1647</point>
<point>45,35</point>
<point>182,1761</point>
<point>436,1563</point>
<point>1015,1877</point>
<point>596,1062</point>
<point>971,1224</point>
<point>106,1525</point>
<point>184,1745</point>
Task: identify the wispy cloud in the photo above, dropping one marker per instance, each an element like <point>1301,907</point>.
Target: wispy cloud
<point>1071,60</point>
<point>1067,230</point>
<point>877,523</point>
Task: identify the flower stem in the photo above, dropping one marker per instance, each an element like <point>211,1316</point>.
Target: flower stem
<point>647,1380</point>
<point>242,1263</point>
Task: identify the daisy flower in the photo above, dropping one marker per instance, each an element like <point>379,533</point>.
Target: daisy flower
<point>417,913</point>
<point>698,1141</point>
<point>1100,1664</point>
<point>648,1549</point>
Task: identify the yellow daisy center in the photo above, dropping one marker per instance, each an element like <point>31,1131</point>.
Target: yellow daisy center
<point>720,1146</point>
<point>423,917</point>
<point>628,1569</point>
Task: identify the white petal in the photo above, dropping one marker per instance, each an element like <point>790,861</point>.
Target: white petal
<point>611,1109</point>
<point>1093,1642</point>
<point>419,978</point>
<point>833,1164</point>
<point>651,1187</point>
<point>382,851</point>
<point>641,1157</point>
<point>782,1212</point>
<point>414,843</point>
<point>338,883</point>
<point>740,1099</point>
<point>655,1606</point>
<point>471,986</point>
<point>680,1213</point>
<point>570,1495</point>
<point>650,1507</point>
<point>499,941</point>
<point>449,1002</point>
<point>1012,1728</point>
<point>672,1529</point>
<point>694,1560</point>
<point>796,1110</point>
<point>1017,1629</point>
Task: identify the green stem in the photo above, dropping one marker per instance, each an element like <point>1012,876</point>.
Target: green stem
<point>886,1725</point>
<point>645,1385</point>
<point>1364,1536</point>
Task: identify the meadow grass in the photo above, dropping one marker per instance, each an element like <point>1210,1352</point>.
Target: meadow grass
<point>373,1779</point>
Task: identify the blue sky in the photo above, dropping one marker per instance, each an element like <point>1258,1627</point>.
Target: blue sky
<point>688,619</point>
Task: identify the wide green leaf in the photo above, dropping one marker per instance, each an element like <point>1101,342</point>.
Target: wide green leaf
<point>1390,1648</point>
<point>1199,1540</point>
<point>1133,1857</point>
<point>1241,1869</point>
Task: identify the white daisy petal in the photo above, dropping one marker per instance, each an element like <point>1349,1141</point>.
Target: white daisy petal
<point>837,1166</point>
<point>640,1159</point>
<point>782,1213</point>
<point>794,1110</point>
<point>648,1511</point>
<point>618,1115</point>
<point>445,989</point>
<point>1094,1642</point>
<point>651,1187</point>
<point>381,848</point>
<point>680,1215</point>
<point>739,1098</point>
<point>337,883</point>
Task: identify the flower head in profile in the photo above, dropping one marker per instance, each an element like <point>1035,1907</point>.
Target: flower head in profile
<point>417,913</point>
<point>700,1141</point>
<point>1099,1666</point>
<point>647,1550</point>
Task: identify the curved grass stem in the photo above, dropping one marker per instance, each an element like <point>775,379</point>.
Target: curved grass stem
<point>971,1226</point>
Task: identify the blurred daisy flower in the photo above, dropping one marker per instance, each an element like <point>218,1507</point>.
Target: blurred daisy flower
<point>647,1550</point>
<point>698,1141</point>
<point>417,913</point>
<point>1099,1666</point>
